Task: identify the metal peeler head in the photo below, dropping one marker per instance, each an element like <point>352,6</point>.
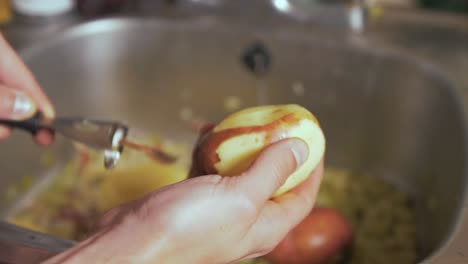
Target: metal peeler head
<point>107,136</point>
<point>111,157</point>
<point>101,135</point>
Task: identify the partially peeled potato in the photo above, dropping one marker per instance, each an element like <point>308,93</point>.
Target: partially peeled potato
<point>230,147</point>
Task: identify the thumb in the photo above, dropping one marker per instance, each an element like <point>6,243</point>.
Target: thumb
<point>15,105</point>
<point>271,169</point>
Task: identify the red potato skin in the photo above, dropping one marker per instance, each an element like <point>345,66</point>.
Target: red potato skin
<point>322,235</point>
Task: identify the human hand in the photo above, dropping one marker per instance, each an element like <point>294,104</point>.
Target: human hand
<point>20,94</point>
<point>208,219</point>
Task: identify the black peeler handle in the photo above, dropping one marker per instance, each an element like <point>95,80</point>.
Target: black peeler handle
<point>31,125</point>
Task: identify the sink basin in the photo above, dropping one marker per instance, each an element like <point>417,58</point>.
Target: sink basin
<point>383,112</point>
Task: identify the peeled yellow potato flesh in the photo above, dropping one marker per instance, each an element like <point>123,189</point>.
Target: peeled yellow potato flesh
<point>232,146</point>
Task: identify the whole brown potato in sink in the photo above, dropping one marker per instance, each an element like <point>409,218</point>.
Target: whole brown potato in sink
<point>322,236</point>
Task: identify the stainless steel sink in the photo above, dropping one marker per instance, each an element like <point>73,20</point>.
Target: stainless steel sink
<point>384,111</point>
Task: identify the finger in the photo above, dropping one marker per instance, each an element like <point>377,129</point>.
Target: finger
<point>271,169</point>
<point>312,183</point>
<point>44,137</point>
<point>15,104</point>
<point>292,207</point>
<point>14,73</point>
<point>5,132</point>
<point>285,212</point>
<point>298,202</point>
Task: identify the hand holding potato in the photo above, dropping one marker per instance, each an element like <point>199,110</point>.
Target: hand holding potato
<point>208,219</point>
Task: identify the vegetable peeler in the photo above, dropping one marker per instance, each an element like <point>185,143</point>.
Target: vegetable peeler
<point>98,134</point>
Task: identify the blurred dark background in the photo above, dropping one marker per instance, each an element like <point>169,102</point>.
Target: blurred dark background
<point>460,6</point>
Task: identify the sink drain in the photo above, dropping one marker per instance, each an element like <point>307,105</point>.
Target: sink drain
<point>257,59</point>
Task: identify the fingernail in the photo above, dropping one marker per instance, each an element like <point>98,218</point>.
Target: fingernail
<point>300,151</point>
<point>23,106</point>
